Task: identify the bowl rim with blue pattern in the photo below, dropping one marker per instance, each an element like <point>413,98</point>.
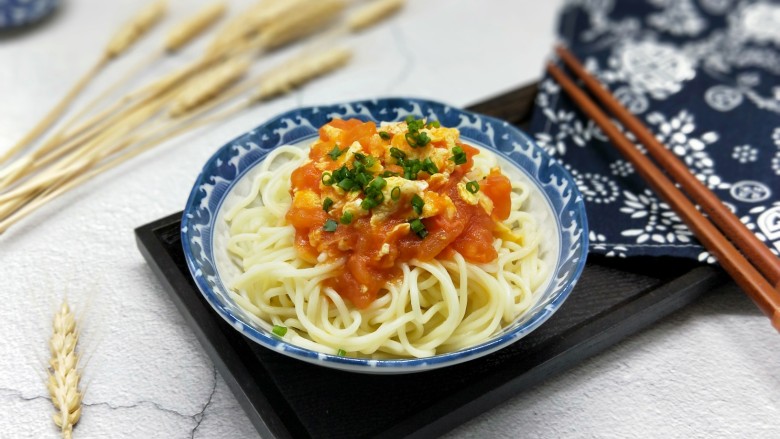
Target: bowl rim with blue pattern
<point>237,157</point>
<point>19,13</point>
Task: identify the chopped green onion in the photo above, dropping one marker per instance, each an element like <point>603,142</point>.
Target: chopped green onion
<point>395,194</point>
<point>417,204</point>
<point>433,123</point>
<point>378,183</point>
<point>346,217</point>
<point>411,168</point>
<point>418,227</point>
<point>397,153</point>
<point>374,197</point>
<point>362,179</point>
<point>330,225</point>
<point>414,137</point>
<point>429,167</point>
<point>368,204</point>
<point>423,139</point>
<point>341,353</point>
<point>279,330</point>
<point>417,140</point>
<point>459,156</point>
<point>472,187</point>
<point>346,184</point>
<point>335,153</point>
<point>327,203</point>
<point>341,173</point>
<point>411,139</point>
<point>413,124</point>
<point>327,179</point>
<point>385,135</point>
<point>389,174</point>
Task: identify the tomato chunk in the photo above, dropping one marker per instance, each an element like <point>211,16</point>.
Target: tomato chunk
<point>306,177</point>
<point>476,241</point>
<point>498,188</point>
<point>360,133</point>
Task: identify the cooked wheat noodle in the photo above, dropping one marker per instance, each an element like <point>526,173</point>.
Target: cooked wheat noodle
<point>435,307</point>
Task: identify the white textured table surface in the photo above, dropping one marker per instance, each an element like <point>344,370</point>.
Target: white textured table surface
<point>709,371</point>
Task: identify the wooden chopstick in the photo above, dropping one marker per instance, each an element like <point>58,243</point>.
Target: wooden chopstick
<point>732,227</point>
<point>735,264</point>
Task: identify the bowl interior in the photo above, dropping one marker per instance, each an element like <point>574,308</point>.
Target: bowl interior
<point>554,201</point>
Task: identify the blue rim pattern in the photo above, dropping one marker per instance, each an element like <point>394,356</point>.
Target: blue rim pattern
<point>16,13</point>
<point>234,159</point>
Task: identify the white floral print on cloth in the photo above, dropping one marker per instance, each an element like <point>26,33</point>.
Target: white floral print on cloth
<point>704,76</point>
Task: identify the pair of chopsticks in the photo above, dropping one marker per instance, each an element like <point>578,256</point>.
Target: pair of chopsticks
<point>746,259</point>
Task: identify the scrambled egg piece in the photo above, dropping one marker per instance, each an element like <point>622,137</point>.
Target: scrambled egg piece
<point>388,207</point>
<point>474,199</point>
<point>306,199</point>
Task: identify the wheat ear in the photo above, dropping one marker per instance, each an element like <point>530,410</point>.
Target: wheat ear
<point>310,18</point>
<point>64,376</point>
<point>133,30</point>
<point>213,82</point>
<point>273,11</point>
<point>299,71</point>
<point>237,30</point>
<point>372,13</point>
<point>179,36</point>
<point>190,28</point>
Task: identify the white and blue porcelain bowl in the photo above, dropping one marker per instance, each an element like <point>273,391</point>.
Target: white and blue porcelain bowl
<point>554,199</point>
<point>17,13</point>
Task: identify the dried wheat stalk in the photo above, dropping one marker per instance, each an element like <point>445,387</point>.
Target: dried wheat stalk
<point>210,85</point>
<point>118,135</point>
<point>179,36</point>
<point>55,112</point>
<point>117,150</point>
<point>64,375</point>
<point>299,71</point>
<point>146,141</point>
<point>372,13</point>
<point>34,194</point>
<point>273,11</point>
<point>316,14</point>
<point>310,18</point>
<point>121,41</point>
<point>48,154</point>
<point>67,131</point>
<point>78,157</point>
<point>187,30</point>
<point>133,30</point>
<point>238,30</point>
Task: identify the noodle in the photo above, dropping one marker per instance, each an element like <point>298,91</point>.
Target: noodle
<point>433,307</point>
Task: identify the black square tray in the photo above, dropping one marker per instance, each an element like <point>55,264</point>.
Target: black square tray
<point>287,398</point>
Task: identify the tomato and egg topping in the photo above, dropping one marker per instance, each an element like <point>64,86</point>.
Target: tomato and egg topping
<point>378,196</point>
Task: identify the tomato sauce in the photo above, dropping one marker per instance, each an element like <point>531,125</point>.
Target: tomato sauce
<point>372,242</point>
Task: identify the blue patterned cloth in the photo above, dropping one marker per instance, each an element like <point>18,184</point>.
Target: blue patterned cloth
<point>704,76</point>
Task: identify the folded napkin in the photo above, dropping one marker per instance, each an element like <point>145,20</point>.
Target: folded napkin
<point>704,76</point>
